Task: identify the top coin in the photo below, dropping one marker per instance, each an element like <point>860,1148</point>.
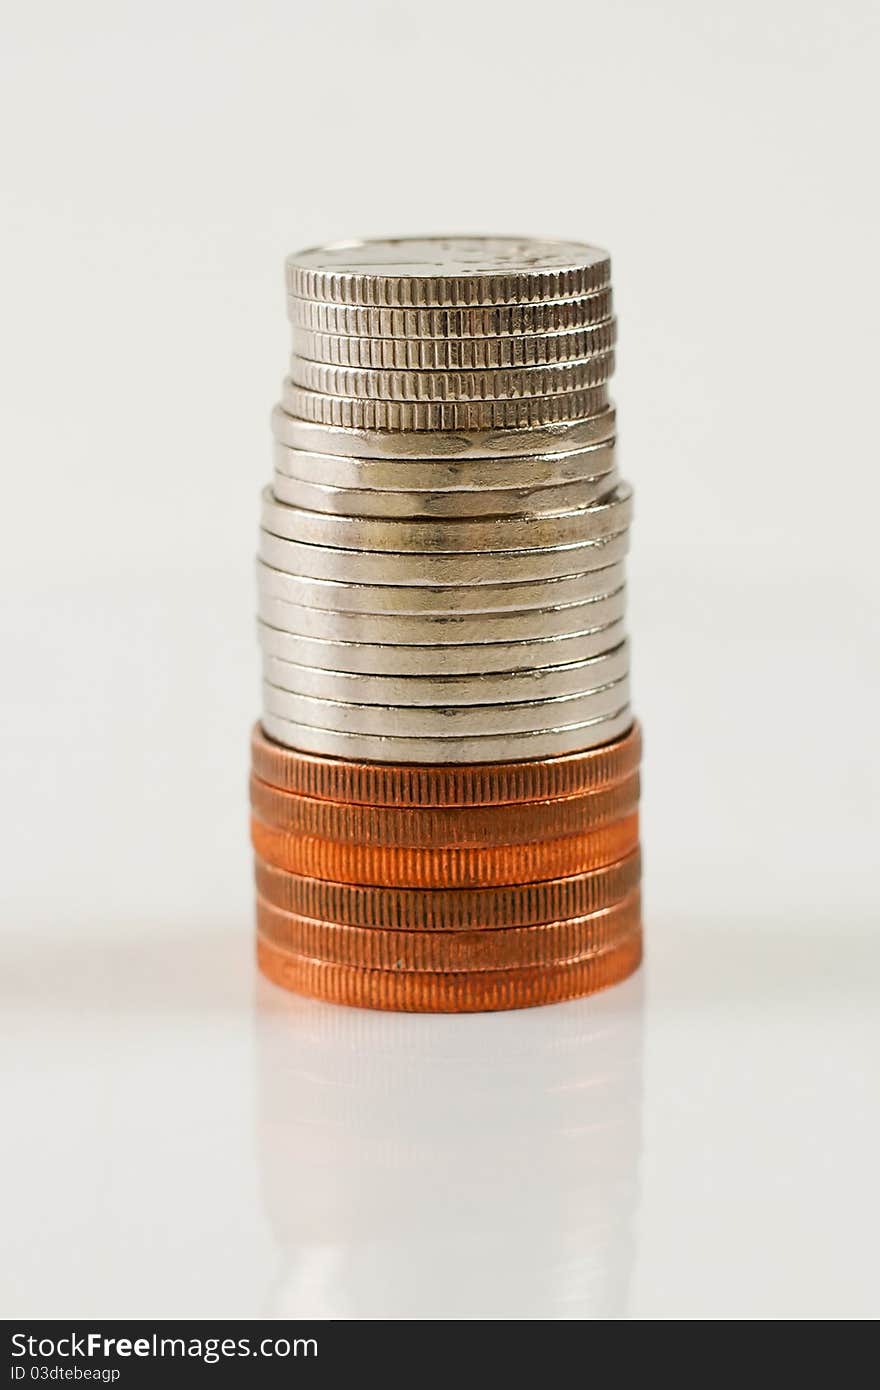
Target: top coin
<point>417,272</point>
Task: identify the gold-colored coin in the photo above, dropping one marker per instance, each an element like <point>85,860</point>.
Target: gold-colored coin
<point>481,784</point>
<point>450,992</point>
<point>456,354</point>
<point>448,909</point>
<point>477,866</point>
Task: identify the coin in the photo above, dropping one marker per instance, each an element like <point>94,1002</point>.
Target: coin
<point>475,477</point>
<point>427,629</point>
<point>315,561</point>
<point>447,536</point>
<point>439,658</point>
<point>445,780</point>
<point>442,602</point>
<point>484,748</point>
<point>463,354</point>
<point>374,948</point>
<point>449,722</point>
<point>481,688</point>
<point>448,909</point>
<point>417,826</point>
<point>454,270</point>
<point>477,321</point>
<point>437,992</point>
<point>458,442</point>
<point>348,412</point>
<point>428,505</point>
<point>468,866</point>
<point>456,505</point>
<point>494,384</point>
<point>399,785</point>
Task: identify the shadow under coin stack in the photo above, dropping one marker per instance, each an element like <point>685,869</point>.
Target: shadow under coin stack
<point>445,779</point>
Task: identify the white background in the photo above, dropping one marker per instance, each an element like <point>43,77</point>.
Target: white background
<point>179,1143</point>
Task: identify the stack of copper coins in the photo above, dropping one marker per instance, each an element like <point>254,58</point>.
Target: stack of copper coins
<point>445,779</point>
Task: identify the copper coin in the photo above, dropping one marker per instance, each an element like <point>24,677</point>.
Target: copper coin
<point>441,866</point>
<point>448,909</point>
<point>507,948</point>
<point>437,992</point>
<point>482,784</point>
<point>443,825</point>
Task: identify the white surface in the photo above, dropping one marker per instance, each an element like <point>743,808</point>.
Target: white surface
<point>181,1139</point>
<point>184,1139</point>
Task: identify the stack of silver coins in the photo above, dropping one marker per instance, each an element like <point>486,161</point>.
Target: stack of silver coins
<point>441,574</point>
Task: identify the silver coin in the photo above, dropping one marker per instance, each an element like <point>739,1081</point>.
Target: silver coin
<point>562,436</point>
<point>458,598</point>
<point>493,321</point>
<point>450,536</point>
<point>424,506</point>
<point>400,417</point>
<point>426,629</point>
<point>455,354</point>
<point>468,475</point>
<point>489,384</point>
<point>497,567</point>
<point>450,270</point>
<point>479,689</point>
<point>544,743</point>
<point>439,659</point>
<point>447,721</point>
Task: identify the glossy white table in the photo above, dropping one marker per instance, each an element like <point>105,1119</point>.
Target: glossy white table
<point>183,1139</point>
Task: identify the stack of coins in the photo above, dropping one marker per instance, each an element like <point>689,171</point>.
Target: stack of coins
<point>445,780</point>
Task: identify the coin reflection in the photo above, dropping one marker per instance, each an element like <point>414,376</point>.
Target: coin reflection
<point>451,1167</point>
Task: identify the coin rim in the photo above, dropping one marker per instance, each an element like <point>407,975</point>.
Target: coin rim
<point>434,992</point>
<point>437,417</point>
<point>390,948</point>
<point>450,722</point>
<point>465,749</point>
<point>433,324</point>
<point>442,601</point>
<point>425,446</point>
<point>607,516</point>
<point>575,278</point>
<point>443,826</point>
<point>475,784</point>
<point>436,569</point>
<point>455,354</point>
<point>453,475</point>
<point>477,688</point>
<point>448,909</point>
<point>463,385</point>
